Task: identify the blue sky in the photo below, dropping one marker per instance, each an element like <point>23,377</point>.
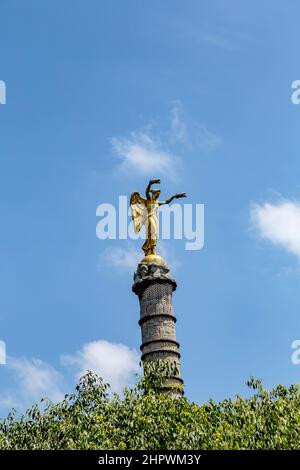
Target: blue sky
<point>208,84</point>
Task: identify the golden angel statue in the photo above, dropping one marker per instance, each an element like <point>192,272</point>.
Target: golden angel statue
<point>144,212</point>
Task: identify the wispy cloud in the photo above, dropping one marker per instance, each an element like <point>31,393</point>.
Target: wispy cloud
<point>168,255</point>
<point>219,39</point>
<point>214,39</point>
<point>178,123</point>
<point>126,258</point>
<point>143,154</point>
<point>35,379</point>
<point>2,352</point>
<point>115,363</point>
<point>190,132</point>
<point>29,380</point>
<point>279,223</point>
<point>122,258</point>
<point>148,151</point>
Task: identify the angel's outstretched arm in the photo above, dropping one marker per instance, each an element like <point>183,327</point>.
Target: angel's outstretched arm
<point>170,199</point>
<point>151,182</point>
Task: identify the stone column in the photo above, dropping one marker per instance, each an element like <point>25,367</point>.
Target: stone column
<point>154,286</point>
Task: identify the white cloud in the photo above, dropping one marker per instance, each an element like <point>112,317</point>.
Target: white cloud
<point>115,363</point>
<point>121,258</point>
<point>142,154</point>
<point>279,223</point>
<point>35,379</point>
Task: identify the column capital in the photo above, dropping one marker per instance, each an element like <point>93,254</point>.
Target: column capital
<point>146,274</point>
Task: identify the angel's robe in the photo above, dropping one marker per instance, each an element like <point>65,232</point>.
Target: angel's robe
<point>151,227</point>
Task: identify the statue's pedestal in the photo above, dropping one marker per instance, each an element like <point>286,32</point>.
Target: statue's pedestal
<point>154,286</point>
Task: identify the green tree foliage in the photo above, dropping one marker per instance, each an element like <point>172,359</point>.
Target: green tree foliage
<point>143,418</point>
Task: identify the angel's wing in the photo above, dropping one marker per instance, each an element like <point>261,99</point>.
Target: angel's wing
<point>138,206</point>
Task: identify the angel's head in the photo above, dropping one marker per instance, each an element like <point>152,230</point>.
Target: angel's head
<point>155,193</point>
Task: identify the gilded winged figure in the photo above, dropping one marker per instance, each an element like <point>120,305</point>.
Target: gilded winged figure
<point>144,212</point>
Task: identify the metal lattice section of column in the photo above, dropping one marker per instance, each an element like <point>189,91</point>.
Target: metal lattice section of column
<point>158,323</point>
<point>157,299</point>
